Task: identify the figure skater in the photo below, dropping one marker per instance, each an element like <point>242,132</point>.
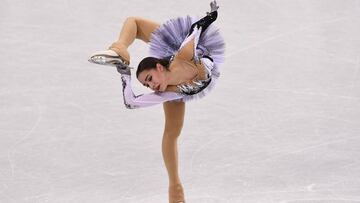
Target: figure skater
<point>185,54</point>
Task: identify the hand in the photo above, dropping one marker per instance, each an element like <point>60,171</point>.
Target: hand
<point>123,69</point>
<point>213,6</point>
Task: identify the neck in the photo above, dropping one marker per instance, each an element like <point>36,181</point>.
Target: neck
<point>174,77</point>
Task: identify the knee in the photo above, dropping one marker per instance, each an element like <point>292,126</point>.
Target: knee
<point>131,18</point>
<point>172,133</point>
<point>173,127</point>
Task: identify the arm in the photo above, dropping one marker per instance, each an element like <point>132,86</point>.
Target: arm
<point>188,47</point>
<point>132,101</point>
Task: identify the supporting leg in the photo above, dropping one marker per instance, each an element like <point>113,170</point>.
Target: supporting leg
<point>174,119</point>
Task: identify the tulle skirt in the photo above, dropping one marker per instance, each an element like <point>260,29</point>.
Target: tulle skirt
<point>167,39</point>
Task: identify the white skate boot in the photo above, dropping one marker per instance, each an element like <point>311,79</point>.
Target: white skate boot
<point>111,58</point>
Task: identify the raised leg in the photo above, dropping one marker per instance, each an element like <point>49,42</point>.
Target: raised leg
<point>133,28</point>
<point>117,54</point>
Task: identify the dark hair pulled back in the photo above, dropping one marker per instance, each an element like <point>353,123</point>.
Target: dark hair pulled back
<point>149,63</point>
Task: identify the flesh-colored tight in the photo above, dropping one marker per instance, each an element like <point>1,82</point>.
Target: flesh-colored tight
<point>133,28</point>
<point>139,28</point>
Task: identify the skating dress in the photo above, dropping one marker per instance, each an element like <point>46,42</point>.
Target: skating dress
<point>165,42</point>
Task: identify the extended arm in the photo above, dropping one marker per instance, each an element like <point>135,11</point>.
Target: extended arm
<point>187,49</point>
<point>132,101</point>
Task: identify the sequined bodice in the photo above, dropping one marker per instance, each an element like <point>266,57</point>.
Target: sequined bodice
<point>197,84</point>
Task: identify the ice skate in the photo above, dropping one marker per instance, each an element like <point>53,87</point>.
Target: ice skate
<point>108,57</point>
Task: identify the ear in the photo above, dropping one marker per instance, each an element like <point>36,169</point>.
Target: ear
<point>159,67</point>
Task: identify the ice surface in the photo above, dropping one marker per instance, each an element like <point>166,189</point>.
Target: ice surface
<point>282,125</point>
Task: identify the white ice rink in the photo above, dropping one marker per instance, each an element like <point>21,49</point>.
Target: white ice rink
<point>281,126</point>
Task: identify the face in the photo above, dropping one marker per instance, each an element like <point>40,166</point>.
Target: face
<point>154,78</point>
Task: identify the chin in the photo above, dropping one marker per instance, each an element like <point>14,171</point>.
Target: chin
<point>162,88</point>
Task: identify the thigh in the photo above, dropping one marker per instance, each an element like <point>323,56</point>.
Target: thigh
<point>145,28</point>
<point>174,116</point>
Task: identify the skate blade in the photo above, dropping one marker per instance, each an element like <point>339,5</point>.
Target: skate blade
<point>105,60</point>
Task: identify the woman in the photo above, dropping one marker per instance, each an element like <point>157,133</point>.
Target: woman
<point>185,55</point>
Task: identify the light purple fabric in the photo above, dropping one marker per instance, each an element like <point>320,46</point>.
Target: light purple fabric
<point>165,42</point>
<point>144,100</point>
<point>167,39</point>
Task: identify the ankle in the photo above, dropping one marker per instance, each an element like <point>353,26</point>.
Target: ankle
<point>176,189</point>
<point>121,50</point>
<point>176,193</point>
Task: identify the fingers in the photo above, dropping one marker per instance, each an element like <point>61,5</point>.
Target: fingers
<point>214,6</point>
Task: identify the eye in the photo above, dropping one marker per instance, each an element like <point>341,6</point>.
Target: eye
<point>150,78</point>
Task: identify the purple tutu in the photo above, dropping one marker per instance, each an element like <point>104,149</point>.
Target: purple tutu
<point>167,39</point>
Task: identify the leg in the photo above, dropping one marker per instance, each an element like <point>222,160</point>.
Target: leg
<point>117,54</point>
<point>174,119</point>
<point>133,28</point>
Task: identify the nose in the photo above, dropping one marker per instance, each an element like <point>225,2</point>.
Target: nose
<point>152,85</point>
